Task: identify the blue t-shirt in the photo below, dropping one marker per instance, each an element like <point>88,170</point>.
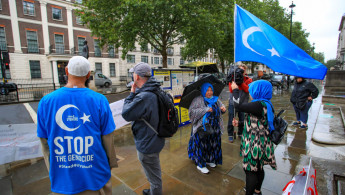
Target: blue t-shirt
<point>73,121</point>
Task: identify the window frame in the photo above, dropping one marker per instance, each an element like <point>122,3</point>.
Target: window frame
<point>101,65</point>
<point>27,41</point>
<point>32,70</point>
<point>61,18</point>
<point>80,48</point>
<point>26,6</point>
<point>111,54</point>
<point>147,59</point>
<point>111,71</point>
<point>130,58</point>
<point>5,41</point>
<point>78,20</point>
<point>156,59</point>
<point>171,61</point>
<point>63,43</point>
<point>97,48</point>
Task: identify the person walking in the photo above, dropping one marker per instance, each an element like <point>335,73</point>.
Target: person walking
<point>75,126</point>
<point>206,109</point>
<point>256,146</point>
<point>142,104</point>
<point>302,98</point>
<point>232,112</point>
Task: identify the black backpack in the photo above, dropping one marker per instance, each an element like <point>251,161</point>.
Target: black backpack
<point>280,126</point>
<point>168,115</point>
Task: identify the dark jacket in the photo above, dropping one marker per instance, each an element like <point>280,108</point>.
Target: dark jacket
<point>302,91</point>
<point>144,105</point>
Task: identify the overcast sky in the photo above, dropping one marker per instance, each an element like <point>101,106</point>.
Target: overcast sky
<point>321,19</point>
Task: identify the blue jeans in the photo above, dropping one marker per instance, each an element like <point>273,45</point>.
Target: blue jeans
<point>302,115</point>
<point>231,116</point>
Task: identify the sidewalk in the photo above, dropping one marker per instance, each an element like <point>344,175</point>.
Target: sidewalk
<point>179,173</point>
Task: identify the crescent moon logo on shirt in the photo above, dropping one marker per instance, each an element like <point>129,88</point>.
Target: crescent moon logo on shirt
<point>59,120</point>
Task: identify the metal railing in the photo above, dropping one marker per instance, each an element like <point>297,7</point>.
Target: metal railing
<point>28,90</point>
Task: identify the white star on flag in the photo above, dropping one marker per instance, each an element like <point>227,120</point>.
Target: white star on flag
<point>85,118</point>
<point>273,52</point>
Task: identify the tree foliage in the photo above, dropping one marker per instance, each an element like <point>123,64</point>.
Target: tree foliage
<point>160,23</point>
<point>204,25</point>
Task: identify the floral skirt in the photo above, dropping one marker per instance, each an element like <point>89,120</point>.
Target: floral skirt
<point>207,150</point>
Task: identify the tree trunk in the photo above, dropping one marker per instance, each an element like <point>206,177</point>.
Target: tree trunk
<point>223,66</point>
<point>165,57</point>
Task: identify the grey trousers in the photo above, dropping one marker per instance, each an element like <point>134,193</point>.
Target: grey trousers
<point>152,168</point>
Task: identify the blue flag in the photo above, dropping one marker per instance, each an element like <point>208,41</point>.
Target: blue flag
<point>256,41</point>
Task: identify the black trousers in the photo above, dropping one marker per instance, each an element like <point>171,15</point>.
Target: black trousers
<point>254,181</point>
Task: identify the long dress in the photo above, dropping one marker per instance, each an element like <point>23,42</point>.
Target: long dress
<point>256,147</point>
<point>208,149</point>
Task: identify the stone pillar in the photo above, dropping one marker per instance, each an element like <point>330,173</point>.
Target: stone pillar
<point>92,85</point>
<point>70,28</point>
<point>15,27</point>
<point>45,27</point>
<point>55,74</point>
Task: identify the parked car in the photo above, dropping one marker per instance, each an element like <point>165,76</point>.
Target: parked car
<point>101,80</point>
<point>6,88</point>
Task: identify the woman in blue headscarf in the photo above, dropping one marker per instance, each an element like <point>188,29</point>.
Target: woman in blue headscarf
<point>206,109</point>
<point>256,146</point>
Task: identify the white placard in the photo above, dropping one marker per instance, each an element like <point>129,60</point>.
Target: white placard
<point>116,109</point>
<point>19,142</point>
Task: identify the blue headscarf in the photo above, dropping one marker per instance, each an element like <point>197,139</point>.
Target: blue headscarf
<point>211,101</point>
<point>261,90</point>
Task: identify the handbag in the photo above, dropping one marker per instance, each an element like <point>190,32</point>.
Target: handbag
<point>203,133</point>
<point>280,126</point>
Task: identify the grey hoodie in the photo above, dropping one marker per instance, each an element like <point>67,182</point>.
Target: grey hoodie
<point>143,104</point>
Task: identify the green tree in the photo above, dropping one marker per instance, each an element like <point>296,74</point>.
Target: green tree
<point>160,23</point>
<point>330,63</point>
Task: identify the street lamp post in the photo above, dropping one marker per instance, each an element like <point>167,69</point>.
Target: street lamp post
<point>291,6</point>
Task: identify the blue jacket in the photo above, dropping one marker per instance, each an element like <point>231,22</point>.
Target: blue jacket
<point>143,104</point>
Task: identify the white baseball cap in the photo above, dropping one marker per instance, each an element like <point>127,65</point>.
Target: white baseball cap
<point>78,66</point>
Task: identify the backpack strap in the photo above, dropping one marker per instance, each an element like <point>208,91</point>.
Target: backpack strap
<point>148,124</point>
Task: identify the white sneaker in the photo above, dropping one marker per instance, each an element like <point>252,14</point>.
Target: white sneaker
<point>211,165</point>
<point>203,169</point>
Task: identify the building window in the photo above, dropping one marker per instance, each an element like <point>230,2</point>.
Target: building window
<point>3,43</point>
<point>31,37</point>
<point>181,61</point>
<point>78,20</point>
<point>57,13</point>
<point>29,8</point>
<point>170,51</point>
<point>111,51</point>
<point>156,60</point>
<point>35,69</point>
<point>80,44</point>
<point>98,66</point>
<point>145,59</point>
<point>112,69</point>
<point>97,49</point>
<point>59,46</point>
<point>130,58</point>
<point>170,61</point>
<point>79,1</point>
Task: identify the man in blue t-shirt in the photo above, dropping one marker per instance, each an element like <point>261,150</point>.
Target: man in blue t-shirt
<point>75,125</point>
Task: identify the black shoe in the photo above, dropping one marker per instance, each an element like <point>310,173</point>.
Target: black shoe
<point>146,192</point>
